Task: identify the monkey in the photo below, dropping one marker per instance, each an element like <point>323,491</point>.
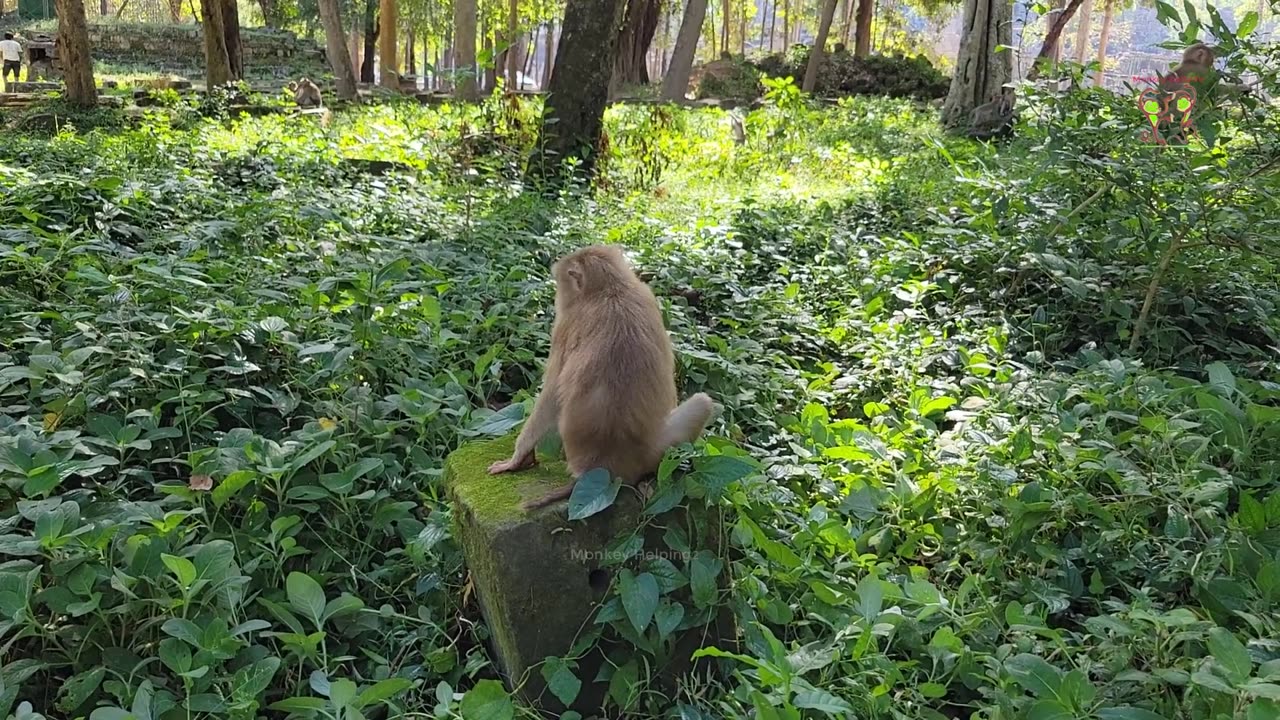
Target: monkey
<point>609,385</point>
<point>739,129</point>
<point>306,94</point>
<point>993,119</point>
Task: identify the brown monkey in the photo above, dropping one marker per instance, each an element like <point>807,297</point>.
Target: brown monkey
<point>610,384</point>
<point>306,94</point>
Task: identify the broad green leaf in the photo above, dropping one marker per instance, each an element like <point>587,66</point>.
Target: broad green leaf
<point>561,680</point>
<point>822,701</point>
<point>79,688</point>
<point>487,701</point>
<point>1230,655</point>
<point>668,617</point>
<point>307,597</point>
<point>1127,712</point>
<point>1220,377</point>
<point>181,568</point>
<point>594,492</point>
<point>1036,675</point>
<point>250,681</point>
<point>342,692</point>
<point>382,691</point>
<point>1248,24</point>
<point>1049,710</point>
<point>704,569</point>
<point>230,485</point>
<point>639,597</point>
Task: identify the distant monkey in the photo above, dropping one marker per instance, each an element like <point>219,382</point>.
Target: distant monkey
<point>610,384</point>
<point>993,119</point>
<point>306,94</point>
<point>739,129</point>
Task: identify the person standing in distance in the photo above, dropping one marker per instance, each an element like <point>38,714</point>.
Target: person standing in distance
<point>11,52</point>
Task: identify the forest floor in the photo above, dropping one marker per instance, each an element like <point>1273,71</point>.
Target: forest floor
<point>234,354</point>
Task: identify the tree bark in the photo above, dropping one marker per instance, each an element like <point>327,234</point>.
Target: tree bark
<point>389,76</point>
<point>231,30</point>
<point>786,25</point>
<point>74,53</point>
<point>549,54</point>
<point>370,40</point>
<point>981,72</point>
<point>676,83</point>
<point>742,36</point>
<point>1052,39</point>
<point>862,29</point>
<point>726,23</point>
<point>1108,14</point>
<point>773,25</point>
<point>1083,29</point>
<point>491,70</point>
<point>339,60</point>
<point>270,13</point>
<point>639,26</point>
<point>410,53</point>
<point>513,55</point>
<point>573,118</point>
<point>217,64</point>
<point>819,50</point>
<point>464,49</point>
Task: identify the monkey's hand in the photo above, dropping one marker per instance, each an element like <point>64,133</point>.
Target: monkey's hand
<point>511,464</point>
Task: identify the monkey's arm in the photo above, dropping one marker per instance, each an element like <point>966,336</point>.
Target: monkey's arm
<point>546,413</point>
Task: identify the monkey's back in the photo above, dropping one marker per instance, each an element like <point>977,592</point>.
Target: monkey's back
<point>616,384</point>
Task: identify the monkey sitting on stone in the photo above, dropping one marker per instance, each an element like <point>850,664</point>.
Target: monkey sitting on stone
<point>609,385</point>
<point>993,119</point>
<point>306,94</point>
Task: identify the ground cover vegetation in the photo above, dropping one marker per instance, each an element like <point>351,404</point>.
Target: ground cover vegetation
<point>1001,428</point>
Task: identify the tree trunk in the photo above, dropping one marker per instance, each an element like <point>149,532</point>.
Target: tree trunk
<point>353,45</point>
<point>389,77</point>
<point>370,40</point>
<point>773,24</point>
<point>549,54</point>
<point>1052,39</point>
<point>725,25</point>
<point>862,30</point>
<point>818,52</point>
<point>231,30</point>
<point>490,70</point>
<point>411,53</point>
<point>217,64</point>
<point>573,117</point>
<point>270,13</point>
<point>786,25</point>
<point>1108,14</point>
<point>464,49</point>
<point>339,61</point>
<point>980,72</point>
<point>715,35</point>
<point>74,54</point>
<point>639,26</point>
<point>513,56</point>
<point>1083,28</point>
<point>676,83</point>
<point>742,36</point>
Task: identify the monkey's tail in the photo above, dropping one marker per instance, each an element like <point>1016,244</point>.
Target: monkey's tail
<point>554,496</point>
<point>686,422</point>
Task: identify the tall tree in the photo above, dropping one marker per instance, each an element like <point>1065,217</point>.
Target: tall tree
<point>573,117</point>
<point>513,55</point>
<point>639,25</point>
<point>1108,14</point>
<point>339,59</point>
<point>388,60</point>
<point>1052,40</point>
<point>786,24</point>
<point>819,50</point>
<point>773,24</point>
<point>862,28</point>
<point>217,64</point>
<point>1083,28</point>
<point>370,40</point>
<point>549,54</point>
<point>464,48</point>
<point>981,68</point>
<point>676,83</point>
<point>270,13</point>
<point>231,32</point>
<point>73,51</point>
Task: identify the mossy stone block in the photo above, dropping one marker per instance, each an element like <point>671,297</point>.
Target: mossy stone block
<point>538,576</point>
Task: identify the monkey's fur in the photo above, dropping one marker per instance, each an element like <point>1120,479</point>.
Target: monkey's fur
<point>993,119</point>
<point>610,384</point>
<point>306,94</point>
<point>1196,71</point>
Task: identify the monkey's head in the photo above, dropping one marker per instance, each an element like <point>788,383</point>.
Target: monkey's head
<point>589,272</point>
<point>1199,54</point>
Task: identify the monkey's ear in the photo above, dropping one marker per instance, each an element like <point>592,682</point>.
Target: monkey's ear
<point>574,273</point>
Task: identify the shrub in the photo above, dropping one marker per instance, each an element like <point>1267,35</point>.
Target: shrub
<point>843,73</point>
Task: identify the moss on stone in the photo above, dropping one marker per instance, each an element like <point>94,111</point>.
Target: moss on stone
<point>497,498</point>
